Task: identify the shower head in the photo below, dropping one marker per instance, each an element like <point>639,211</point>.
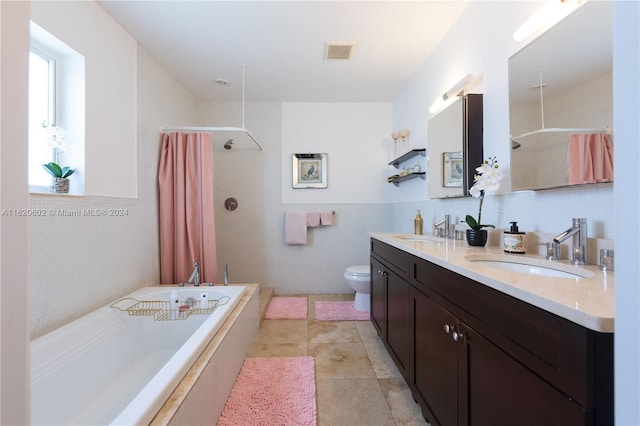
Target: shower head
<point>514,144</point>
<point>228,144</point>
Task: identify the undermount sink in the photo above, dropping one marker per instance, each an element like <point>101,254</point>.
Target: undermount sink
<point>530,266</point>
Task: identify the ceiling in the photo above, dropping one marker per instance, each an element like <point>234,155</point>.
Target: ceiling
<point>280,44</point>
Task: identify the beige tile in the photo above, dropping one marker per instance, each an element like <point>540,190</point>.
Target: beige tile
<point>404,409</point>
<point>381,362</point>
<point>333,332</point>
<point>282,331</point>
<point>357,382</point>
<point>367,331</point>
<point>261,350</point>
<point>341,360</point>
<point>351,402</point>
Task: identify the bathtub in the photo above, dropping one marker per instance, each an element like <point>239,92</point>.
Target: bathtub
<point>109,367</point>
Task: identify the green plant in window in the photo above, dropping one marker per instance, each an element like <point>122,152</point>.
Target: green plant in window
<point>56,139</point>
<point>56,171</point>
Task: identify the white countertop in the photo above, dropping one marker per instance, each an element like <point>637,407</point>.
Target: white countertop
<point>585,301</point>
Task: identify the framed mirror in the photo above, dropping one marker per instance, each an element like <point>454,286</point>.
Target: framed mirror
<point>561,103</point>
<point>454,146</point>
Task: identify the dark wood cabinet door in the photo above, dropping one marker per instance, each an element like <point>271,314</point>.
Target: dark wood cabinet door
<point>378,311</point>
<point>498,390</point>
<point>435,376</point>
<point>399,323</point>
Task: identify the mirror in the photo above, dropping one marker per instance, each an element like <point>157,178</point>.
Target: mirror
<point>561,85</point>
<point>455,147</point>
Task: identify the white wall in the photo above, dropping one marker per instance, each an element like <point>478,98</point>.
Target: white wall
<point>356,138</point>
<point>626,107</point>
<point>104,257</point>
<point>14,355</point>
<point>251,239</point>
<point>481,42</point>
<point>110,91</point>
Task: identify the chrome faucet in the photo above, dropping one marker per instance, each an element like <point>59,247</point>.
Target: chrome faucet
<point>445,231</point>
<point>552,250</point>
<point>578,232</point>
<point>195,275</point>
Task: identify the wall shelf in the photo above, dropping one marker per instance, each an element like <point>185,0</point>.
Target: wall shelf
<point>407,156</point>
<point>396,180</point>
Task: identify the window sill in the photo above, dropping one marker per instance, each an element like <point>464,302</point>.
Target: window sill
<point>44,190</point>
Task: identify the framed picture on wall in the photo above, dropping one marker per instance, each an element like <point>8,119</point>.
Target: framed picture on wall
<point>452,168</point>
<point>309,170</point>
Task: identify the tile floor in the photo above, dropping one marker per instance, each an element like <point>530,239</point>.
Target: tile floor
<point>357,383</point>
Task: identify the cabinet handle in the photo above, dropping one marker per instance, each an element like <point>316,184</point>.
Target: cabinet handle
<point>383,273</point>
<point>448,328</point>
<point>457,337</point>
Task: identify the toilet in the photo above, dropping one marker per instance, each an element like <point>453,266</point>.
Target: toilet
<point>359,278</point>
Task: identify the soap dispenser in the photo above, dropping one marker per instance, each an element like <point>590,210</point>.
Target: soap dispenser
<point>514,240</point>
<point>417,224</point>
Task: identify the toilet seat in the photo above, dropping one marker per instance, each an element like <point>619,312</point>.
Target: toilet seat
<point>358,271</point>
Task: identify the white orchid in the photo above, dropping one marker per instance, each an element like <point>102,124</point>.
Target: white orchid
<point>485,181</point>
<point>55,136</point>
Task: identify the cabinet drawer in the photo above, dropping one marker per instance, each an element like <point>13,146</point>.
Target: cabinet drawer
<point>561,352</point>
<point>398,260</point>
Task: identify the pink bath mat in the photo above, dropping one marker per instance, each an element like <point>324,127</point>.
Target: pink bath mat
<point>287,308</point>
<point>339,311</point>
<point>273,391</point>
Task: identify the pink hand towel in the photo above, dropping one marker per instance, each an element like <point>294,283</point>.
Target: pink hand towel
<point>313,219</point>
<point>295,228</point>
<point>326,218</point>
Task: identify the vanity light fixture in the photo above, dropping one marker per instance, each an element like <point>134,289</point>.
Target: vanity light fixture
<point>548,15</point>
<point>448,96</point>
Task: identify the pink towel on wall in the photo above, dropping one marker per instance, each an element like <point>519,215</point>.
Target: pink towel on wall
<point>326,218</point>
<point>295,228</point>
<point>590,158</point>
<point>313,219</point>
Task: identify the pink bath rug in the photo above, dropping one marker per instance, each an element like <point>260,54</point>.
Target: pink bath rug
<point>287,308</point>
<point>339,311</point>
<point>273,391</point>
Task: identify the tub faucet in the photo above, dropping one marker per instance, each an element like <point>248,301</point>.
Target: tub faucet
<point>445,231</point>
<point>195,275</point>
<point>578,232</point>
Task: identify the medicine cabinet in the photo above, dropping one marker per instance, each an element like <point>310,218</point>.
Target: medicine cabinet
<point>454,147</point>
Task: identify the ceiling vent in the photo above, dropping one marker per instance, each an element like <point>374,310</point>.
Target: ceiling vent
<point>339,50</point>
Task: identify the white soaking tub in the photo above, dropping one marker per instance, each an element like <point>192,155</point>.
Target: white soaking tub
<point>110,367</point>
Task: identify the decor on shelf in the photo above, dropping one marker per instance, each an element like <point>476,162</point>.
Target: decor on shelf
<point>403,136</point>
<point>309,170</point>
<point>60,184</point>
<point>56,140</point>
<point>485,181</point>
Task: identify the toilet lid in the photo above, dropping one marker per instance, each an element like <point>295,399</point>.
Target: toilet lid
<point>359,270</point>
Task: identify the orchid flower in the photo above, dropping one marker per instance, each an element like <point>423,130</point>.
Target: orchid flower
<point>486,180</point>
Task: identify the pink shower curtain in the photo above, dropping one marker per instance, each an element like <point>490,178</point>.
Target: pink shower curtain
<point>187,223</point>
<point>590,158</point>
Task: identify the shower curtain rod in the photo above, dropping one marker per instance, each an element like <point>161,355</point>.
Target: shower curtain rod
<point>212,129</point>
<point>219,128</point>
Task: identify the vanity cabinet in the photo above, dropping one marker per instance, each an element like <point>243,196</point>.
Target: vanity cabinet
<point>479,356</point>
<point>390,303</point>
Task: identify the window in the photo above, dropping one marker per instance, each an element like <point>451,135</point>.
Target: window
<point>56,98</point>
<point>41,110</point>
